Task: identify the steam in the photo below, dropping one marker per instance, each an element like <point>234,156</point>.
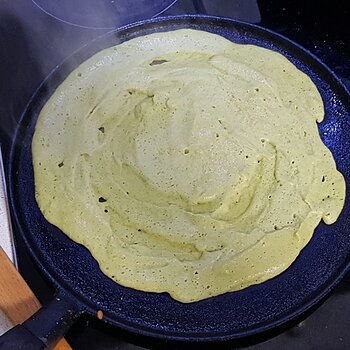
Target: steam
<point>103,14</point>
<point>34,42</point>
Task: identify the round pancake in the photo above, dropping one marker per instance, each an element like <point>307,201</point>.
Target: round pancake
<point>186,163</point>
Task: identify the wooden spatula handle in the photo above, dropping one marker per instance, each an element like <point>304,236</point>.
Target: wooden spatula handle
<point>17,300</point>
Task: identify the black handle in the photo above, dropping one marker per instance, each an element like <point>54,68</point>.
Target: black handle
<point>45,328</point>
<point>19,338</point>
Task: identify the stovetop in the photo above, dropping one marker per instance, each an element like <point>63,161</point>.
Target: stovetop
<point>33,42</point>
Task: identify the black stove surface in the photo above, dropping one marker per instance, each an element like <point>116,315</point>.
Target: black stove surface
<point>32,43</point>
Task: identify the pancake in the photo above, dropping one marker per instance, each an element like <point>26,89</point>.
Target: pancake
<point>186,163</point>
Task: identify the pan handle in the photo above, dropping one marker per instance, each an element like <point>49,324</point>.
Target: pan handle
<point>45,328</point>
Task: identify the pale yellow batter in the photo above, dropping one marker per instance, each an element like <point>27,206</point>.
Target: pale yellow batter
<point>186,164</point>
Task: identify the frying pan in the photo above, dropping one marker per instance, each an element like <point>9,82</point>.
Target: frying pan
<point>83,288</point>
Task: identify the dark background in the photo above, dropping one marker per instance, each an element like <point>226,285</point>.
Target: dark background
<point>33,42</point>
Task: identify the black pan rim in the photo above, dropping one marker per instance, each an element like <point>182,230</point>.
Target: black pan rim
<point>48,270</point>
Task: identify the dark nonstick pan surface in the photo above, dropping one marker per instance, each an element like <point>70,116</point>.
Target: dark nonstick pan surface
<point>76,275</point>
